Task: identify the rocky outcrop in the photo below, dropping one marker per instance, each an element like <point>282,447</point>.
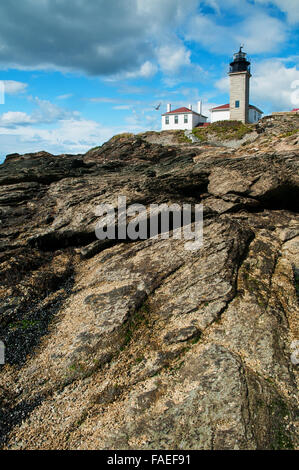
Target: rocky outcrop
<point>123,344</point>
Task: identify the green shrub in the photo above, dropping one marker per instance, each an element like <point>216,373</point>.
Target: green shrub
<point>124,135</point>
<point>288,134</point>
<point>223,130</point>
<point>94,148</point>
<point>182,138</point>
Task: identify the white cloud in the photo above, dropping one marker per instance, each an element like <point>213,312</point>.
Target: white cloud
<point>122,107</point>
<point>213,4</point>
<point>272,83</point>
<point>44,113</point>
<point>70,136</point>
<point>15,118</point>
<point>146,70</point>
<point>20,132</point>
<point>141,120</point>
<point>290,7</point>
<point>12,87</point>
<point>172,57</point>
<point>65,97</point>
<point>223,84</point>
<point>47,112</point>
<point>206,106</point>
<point>119,103</point>
<point>103,99</point>
<point>77,136</point>
<point>259,32</point>
<point>167,12</point>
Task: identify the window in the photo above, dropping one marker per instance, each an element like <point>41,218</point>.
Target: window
<point>176,119</point>
<point>166,119</point>
<point>186,118</point>
<point>237,104</point>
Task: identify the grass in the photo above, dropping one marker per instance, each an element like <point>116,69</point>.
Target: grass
<point>196,339</point>
<point>23,324</point>
<point>176,367</point>
<point>138,360</point>
<point>223,130</point>
<point>94,148</point>
<point>281,439</point>
<point>148,133</point>
<point>141,317</point>
<point>124,135</point>
<point>288,134</point>
<point>77,368</point>
<point>179,134</point>
<point>182,138</point>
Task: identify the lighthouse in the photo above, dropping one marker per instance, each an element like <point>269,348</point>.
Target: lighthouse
<point>239,74</point>
<point>238,109</point>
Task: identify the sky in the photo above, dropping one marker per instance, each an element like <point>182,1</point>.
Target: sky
<point>77,72</point>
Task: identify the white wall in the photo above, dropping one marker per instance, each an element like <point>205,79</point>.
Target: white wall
<point>180,126</point>
<point>223,115</point>
<point>193,120</point>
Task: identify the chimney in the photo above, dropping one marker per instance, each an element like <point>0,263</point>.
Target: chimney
<point>168,107</point>
<point>199,107</point>
<point>190,106</point>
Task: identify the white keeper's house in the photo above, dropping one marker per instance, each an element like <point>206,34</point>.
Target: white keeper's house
<point>183,118</point>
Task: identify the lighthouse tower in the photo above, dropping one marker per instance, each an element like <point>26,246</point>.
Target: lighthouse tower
<point>239,87</point>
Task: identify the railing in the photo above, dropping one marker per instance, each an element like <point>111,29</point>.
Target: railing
<point>239,68</point>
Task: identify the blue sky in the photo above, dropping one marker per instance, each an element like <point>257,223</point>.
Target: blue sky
<point>77,72</point>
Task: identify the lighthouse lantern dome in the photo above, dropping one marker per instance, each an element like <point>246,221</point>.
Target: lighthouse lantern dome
<point>240,62</point>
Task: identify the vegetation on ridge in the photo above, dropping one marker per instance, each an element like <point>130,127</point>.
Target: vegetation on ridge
<point>223,130</point>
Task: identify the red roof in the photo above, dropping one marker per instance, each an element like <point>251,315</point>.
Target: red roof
<point>224,106</point>
<point>227,106</point>
<point>180,110</point>
<point>295,109</point>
